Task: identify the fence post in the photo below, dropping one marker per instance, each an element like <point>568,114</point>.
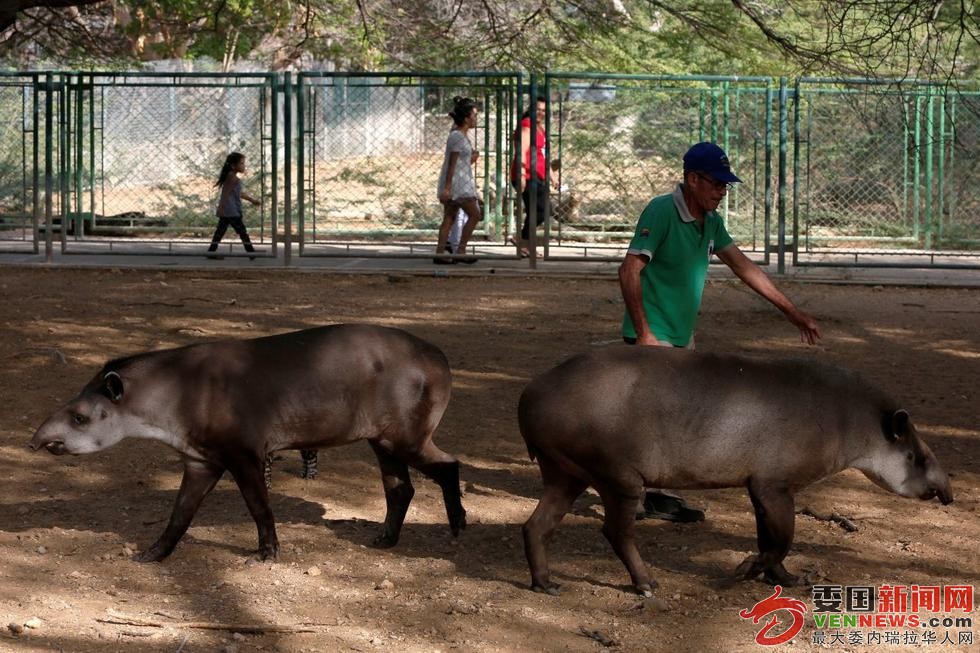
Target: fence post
<point>35,160</point>
<point>273,82</point>
<point>783,135</point>
<point>917,164</point>
<point>287,122</point>
<point>796,172</point>
<point>930,135</point>
<point>48,163</point>
<point>301,159</point>
<point>498,200</point>
<point>64,156</point>
<point>941,170</point>
<point>79,143</point>
<point>531,219</point>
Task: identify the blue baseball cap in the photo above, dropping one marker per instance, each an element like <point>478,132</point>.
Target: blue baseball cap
<point>710,159</point>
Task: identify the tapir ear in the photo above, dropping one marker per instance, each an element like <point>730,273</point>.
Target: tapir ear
<point>112,386</point>
<point>897,425</point>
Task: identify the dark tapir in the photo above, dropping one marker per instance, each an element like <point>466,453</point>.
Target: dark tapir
<point>624,418</point>
<point>226,405</point>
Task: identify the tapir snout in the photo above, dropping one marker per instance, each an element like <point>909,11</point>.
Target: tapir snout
<point>56,447</point>
<point>901,462</point>
<point>50,438</point>
<point>938,485</point>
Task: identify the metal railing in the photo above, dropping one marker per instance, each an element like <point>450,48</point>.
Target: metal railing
<point>836,172</point>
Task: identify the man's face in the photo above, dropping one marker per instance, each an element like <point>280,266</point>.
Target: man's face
<point>707,191</point>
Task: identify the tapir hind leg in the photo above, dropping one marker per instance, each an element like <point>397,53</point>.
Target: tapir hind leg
<point>619,527</point>
<point>560,491</point>
<point>199,479</point>
<point>444,470</point>
<point>775,520</point>
<point>398,494</point>
<point>249,473</point>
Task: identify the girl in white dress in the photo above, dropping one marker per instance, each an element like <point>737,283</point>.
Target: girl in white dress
<point>457,189</point>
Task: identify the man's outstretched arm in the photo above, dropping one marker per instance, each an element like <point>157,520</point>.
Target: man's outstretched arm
<point>756,279</point>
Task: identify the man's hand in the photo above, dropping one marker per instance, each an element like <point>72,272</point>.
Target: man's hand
<point>650,340</point>
<point>809,331</point>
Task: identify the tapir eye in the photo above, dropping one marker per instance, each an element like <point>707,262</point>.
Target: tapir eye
<point>78,419</point>
<point>910,456</point>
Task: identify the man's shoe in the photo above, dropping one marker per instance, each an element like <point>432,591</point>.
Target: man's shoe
<point>664,506</point>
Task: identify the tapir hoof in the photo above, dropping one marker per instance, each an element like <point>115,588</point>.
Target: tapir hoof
<point>458,523</point>
<point>554,589</point>
<point>385,541</point>
<point>268,552</point>
<point>748,568</point>
<point>155,553</point>
<point>777,575</point>
<point>646,589</point>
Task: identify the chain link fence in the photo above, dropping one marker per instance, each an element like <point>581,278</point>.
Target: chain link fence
<point>19,133</point>
<point>885,169</point>
<point>371,147</point>
<point>620,141</point>
<point>350,161</point>
<point>135,157</point>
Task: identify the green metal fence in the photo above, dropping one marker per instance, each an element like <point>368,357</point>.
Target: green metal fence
<point>620,140</point>
<point>836,172</point>
<point>884,170</point>
<point>137,155</point>
<point>370,147</point>
<point>20,136</point>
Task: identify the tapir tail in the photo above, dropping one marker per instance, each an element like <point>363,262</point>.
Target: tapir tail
<point>532,451</point>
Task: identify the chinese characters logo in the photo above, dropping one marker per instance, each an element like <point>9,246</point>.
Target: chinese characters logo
<point>773,605</point>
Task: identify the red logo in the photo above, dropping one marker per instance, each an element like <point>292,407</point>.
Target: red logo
<point>770,605</point>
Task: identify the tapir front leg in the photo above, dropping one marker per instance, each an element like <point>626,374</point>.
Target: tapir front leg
<point>775,521</point>
<point>199,479</point>
<point>249,473</point>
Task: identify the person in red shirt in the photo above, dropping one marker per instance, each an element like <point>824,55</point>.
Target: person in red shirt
<point>520,171</point>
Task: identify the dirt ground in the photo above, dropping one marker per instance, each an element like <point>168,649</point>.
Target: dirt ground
<point>69,526</point>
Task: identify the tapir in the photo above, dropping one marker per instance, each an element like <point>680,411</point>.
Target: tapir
<point>226,405</point>
<point>621,419</point>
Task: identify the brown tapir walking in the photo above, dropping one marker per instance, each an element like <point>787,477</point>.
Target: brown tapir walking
<point>624,418</point>
<point>226,405</point>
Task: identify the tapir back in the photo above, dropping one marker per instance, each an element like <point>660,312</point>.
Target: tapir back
<point>319,387</point>
<point>685,419</point>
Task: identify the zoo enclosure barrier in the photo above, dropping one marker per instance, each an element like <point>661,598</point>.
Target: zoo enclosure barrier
<point>835,172</point>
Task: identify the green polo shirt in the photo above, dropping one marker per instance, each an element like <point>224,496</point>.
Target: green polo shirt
<point>678,250</point>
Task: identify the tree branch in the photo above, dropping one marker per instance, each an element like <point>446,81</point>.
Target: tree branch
<point>10,8</point>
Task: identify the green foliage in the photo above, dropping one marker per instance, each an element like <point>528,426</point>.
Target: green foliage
<point>759,37</point>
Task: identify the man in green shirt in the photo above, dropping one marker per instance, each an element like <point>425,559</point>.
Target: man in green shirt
<point>662,276</point>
